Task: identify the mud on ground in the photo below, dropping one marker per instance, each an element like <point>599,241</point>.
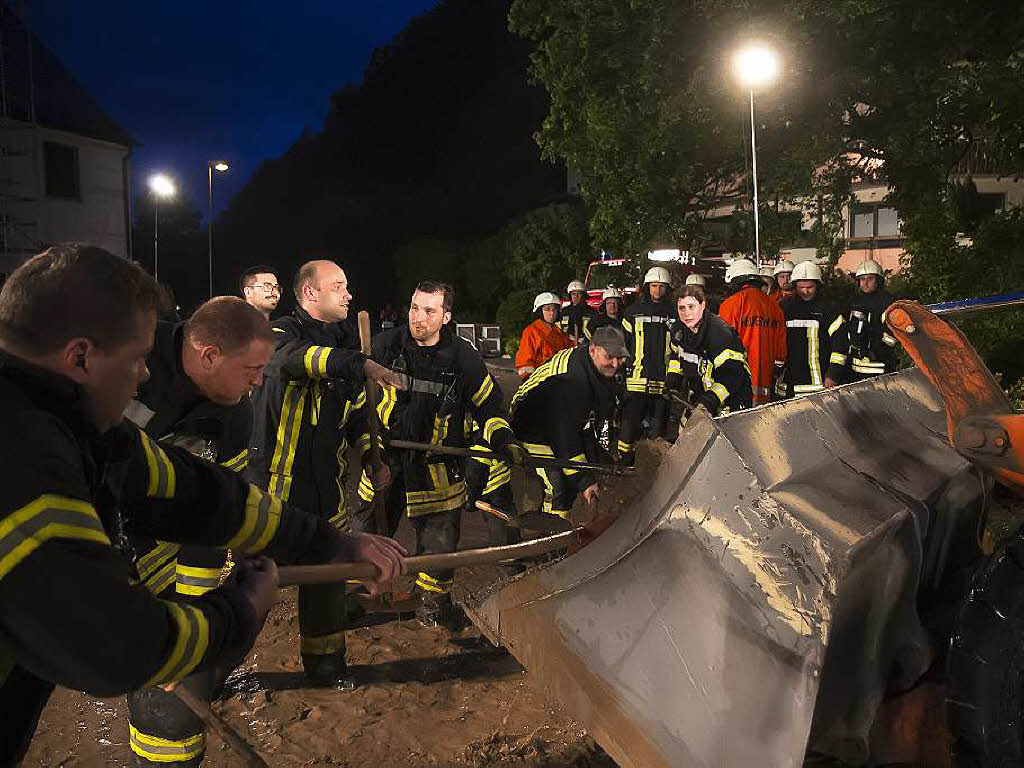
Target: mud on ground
<point>426,698</point>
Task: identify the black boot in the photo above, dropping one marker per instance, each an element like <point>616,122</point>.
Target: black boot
<point>438,610</point>
<point>329,671</point>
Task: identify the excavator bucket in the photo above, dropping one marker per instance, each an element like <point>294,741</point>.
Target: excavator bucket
<point>761,598</point>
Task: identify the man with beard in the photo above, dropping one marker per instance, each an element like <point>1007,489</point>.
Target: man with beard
<point>872,348</point>
<point>578,314</point>
<point>261,289</point>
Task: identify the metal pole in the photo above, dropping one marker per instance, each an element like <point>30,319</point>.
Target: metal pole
<point>209,221</point>
<point>753,158</point>
<point>156,238</point>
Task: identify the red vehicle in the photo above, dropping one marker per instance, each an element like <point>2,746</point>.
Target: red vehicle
<point>605,272</point>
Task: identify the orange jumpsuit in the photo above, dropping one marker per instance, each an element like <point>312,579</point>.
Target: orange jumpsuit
<point>762,328</point>
<point>539,344</point>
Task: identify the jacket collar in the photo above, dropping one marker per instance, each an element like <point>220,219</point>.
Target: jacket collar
<point>51,392</point>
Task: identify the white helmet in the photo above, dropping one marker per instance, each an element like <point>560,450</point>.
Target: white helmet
<point>868,267</point>
<point>741,268</point>
<point>696,279</point>
<point>611,293</point>
<point>785,265</point>
<point>543,299</point>
<point>575,285</point>
<point>657,275</point>
<point>766,271</point>
<point>806,270</point>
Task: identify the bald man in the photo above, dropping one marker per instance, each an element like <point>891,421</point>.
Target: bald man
<point>310,409</point>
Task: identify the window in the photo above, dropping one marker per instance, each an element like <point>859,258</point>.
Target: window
<point>874,221</point>
<point>61,168</point>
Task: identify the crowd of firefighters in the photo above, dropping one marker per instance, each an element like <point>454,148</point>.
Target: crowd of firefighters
<point>139,454</point>
<point>776,336</point>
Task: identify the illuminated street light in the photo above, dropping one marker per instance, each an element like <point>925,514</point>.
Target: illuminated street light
<point>756,66</point>
<point>221,167</point>
<point>163,188</point>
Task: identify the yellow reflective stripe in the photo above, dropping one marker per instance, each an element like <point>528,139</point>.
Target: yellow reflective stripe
<point>48,517</point>
<point>323,645</point>
<point>720,392</point>
<point>339,520</point>
<point>492,425</point>
<point>387,405</point>
<point>193,638</point>
<point>549,496</point>
<point>638,350</point>
<point>161,578</point>
<point>866,365</point>
<point>558,364</point>
<point>429,583</point>
<point>363,442</point>
<point>888,340</point>
<point>146,564</point>
<point>729,354</point>
<point>360,399</point>
<point>279,330</point>
<point>195,580</point>
<point>627,325</point>
<point>440,429</point>
<point>837,358</point>
<point>803,389</point>
<point>262,519</point>
<point>161,470</point>
<point>538,449</point>
<point>484,391</point>
<point>835,325</point>
<point>288,429</point>
<point>315,361</point>
<point>239,462</point>
<point>577,457</point>
<point>498,476</point>
<point>624,446</point>
<point>674,366</point>
<point>442,500</point>
<point>158,750</point>
<point>813,363</point>
<point>366,490</point>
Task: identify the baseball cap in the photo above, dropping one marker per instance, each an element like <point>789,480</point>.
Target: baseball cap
<point>611,341</point>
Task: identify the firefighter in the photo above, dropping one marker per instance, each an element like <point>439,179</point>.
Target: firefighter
<point>197,396</point>
<point>310,409</point>
<point>576,316</point>
<point>543,337</point>
<point>767,280</point>
<point>261,289</point>
<point>647,324</point>
<point>761,326</point>
<point>76,325</point>
<point>610,314</point>
<point>448,380</point>
<point>872,348</point>
<point>709,355</point>
<point>783,288</point>
<point>490,480</point>
<point>816,339</point>
<point>555,411</point>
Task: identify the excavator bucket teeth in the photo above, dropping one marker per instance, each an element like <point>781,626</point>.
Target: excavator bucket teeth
<point>756,600</point>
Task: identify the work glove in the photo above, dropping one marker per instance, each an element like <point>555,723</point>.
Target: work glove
<point>514,453</point>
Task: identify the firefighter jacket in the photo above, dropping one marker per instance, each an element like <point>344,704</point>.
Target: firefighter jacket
<point>71,609</point>
<point>554,412</point>
<point>311,407</point>
<point>816,345</point>
<point>872,347</point>
<point>540,341</point>
<point>600,320</point>
<point>445,382</point>
<point>647,323</point>
<point>574,319</point>
<point>713,361</point>
<point>762,329</point>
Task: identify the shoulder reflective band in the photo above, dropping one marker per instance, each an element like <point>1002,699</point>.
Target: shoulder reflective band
<point>48,517</point>
<point>484,391</point>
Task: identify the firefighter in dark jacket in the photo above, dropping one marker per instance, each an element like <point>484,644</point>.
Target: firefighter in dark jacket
<point>646,323</point>
<point>76,324</point>
<point>610,314</point>
<point>310,409</point>
<point>709,355</point>
<point>447,379</point>
<point>816,340</point>
<point>872,348</point>
<point>197,397</point>
<point>555,411</point>
<point>577,314</point>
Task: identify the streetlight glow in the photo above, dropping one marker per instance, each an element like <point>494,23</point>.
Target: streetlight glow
<point>162,185</point>
<point>220,166</point>
<point>756,65</point>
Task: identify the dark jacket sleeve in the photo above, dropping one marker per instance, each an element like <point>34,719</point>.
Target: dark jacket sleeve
<point>839,343</point>
<point>68,610</point>
<point>729,374</point>
<point>486,403</point>
<point>300,359</point>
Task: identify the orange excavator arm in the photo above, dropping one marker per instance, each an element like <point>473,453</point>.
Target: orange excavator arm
<point>980,420</point>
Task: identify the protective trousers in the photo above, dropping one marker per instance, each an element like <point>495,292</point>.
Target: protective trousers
<point>636,408</point>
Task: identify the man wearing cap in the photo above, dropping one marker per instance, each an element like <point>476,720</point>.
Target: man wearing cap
<point>872,347</point>
<point>555,411</point>
<point>576,316</point>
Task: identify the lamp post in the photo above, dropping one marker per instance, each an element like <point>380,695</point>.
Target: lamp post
<point>221,167</point>
<point>162,187</point>
<point>755,66</point>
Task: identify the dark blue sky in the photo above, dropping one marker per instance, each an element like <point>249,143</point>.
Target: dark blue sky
<point>194,80</point>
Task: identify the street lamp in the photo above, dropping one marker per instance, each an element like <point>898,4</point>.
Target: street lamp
<point>221,167</point>
<point>756,66</point>
<point>163,188</point>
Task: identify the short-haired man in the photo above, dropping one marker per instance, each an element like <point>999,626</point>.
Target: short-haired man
<point>260,288</point>
<point>872,350</point>
<point>76,326</point>
<point>310,408</point>
<point>448,381</point>
<point>555,411</point>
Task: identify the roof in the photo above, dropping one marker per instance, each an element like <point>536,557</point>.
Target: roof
<point>60,101</point>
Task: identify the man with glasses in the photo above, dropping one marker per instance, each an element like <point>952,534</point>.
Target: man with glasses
<point>260,288</point>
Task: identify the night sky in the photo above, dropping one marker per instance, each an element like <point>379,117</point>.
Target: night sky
<point>202,80</point>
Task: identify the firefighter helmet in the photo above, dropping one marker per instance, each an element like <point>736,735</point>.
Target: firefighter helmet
<point>784,265</point>
<point>543,299</point>
<point>657,275</point>
<point>611,293</point>
<point>806,270</point>
<point>575,285</point>
<point>740,270</point>
<point>696,279</point>
<point>767,271</point>
<point>868,267</point>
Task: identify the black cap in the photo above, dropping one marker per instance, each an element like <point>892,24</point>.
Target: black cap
<point>611,341</point>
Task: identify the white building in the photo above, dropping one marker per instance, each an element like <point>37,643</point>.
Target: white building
<point>63,160</point>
